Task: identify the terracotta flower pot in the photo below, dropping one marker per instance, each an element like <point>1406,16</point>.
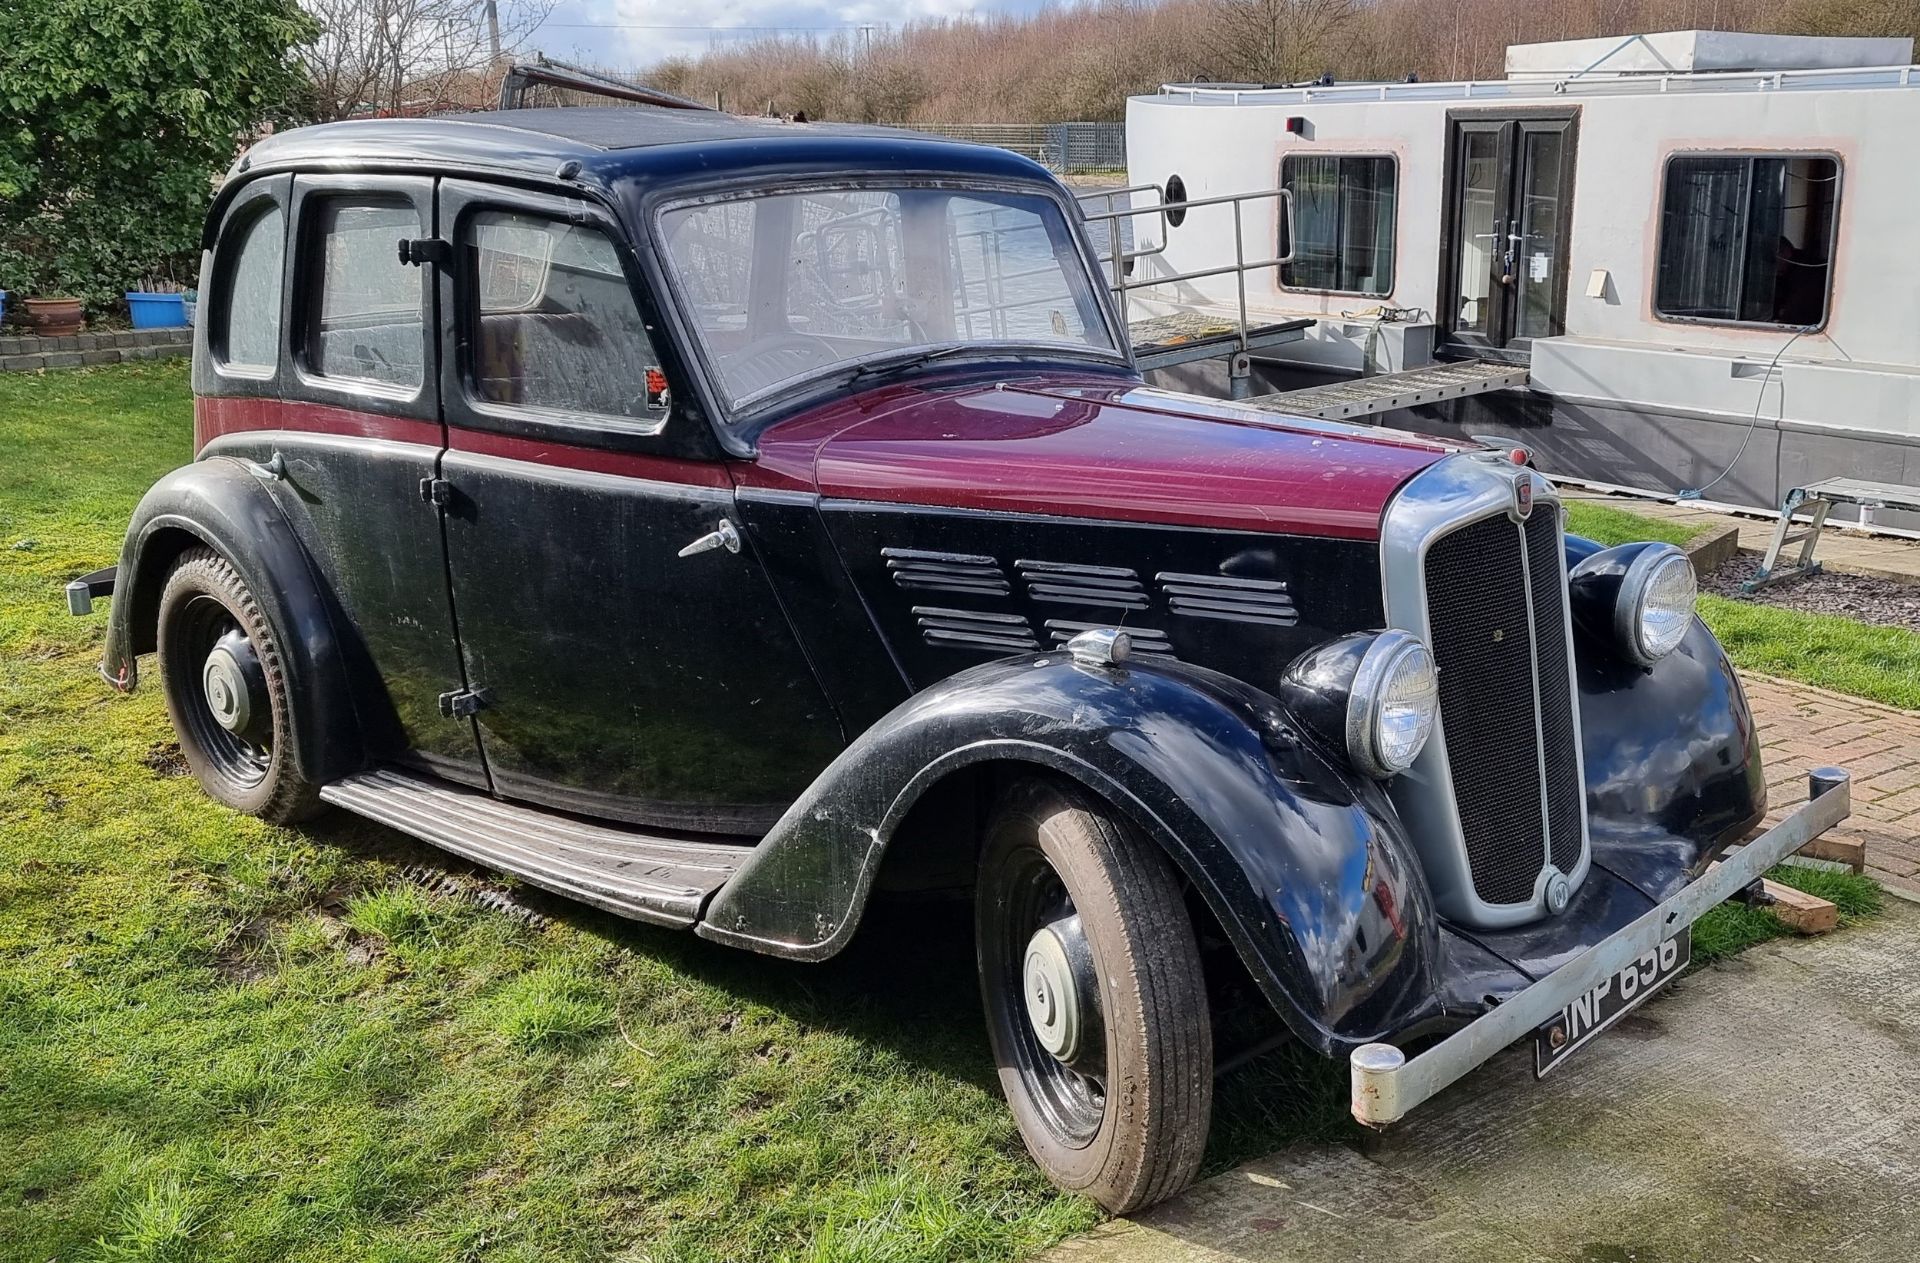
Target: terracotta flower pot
<point>53,317</point>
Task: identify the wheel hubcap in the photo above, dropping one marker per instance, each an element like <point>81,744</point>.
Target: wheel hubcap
<point>235,687</point>
<point>1052,994</point>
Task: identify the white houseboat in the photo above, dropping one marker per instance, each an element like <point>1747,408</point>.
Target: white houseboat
<point>1684,262</point>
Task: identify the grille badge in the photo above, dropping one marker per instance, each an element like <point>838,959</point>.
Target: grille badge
<point>1522,497</point>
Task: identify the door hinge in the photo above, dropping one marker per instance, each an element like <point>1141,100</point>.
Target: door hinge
<point>463,703</point>
<point>436,491</point>
<point>420,251</point>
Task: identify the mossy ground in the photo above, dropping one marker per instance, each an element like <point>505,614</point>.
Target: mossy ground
<point>226,1041</point>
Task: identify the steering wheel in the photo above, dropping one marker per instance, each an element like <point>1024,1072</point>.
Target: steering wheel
<point>778,357</point>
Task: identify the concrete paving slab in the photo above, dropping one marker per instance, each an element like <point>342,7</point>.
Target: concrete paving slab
<point>1761,1111</point>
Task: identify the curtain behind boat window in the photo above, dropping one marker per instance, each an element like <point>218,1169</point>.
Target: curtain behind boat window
<point>1747,240</point>
<point>1343,213</point>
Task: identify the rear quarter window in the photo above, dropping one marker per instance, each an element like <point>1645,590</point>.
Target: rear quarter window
<point>250,330</point>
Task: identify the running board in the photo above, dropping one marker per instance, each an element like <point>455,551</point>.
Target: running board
<point>660,879</point>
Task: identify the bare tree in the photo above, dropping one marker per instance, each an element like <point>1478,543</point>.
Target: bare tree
<point>1276,41</point>
<point>413,56</point>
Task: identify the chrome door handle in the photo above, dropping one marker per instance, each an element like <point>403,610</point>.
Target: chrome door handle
<point>721,536</point>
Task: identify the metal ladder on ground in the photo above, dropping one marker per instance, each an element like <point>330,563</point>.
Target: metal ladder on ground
<point>1817,499</point>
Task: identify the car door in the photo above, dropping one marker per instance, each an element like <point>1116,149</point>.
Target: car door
<point>612,672</point>
<point>348,401</point>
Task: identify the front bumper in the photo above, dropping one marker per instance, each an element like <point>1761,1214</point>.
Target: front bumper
<point>1387,1084</point>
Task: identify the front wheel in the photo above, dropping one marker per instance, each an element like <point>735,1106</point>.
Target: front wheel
<point>227,691</point>
<point>1096,1004</point>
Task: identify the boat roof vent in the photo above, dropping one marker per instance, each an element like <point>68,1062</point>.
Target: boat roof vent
<point>1693,52</point>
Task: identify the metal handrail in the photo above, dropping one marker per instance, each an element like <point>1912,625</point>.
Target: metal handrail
<point>1120,257</point>
<point>1852,77</point>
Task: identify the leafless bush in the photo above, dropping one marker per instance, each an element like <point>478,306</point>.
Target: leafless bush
<point>411,56</point>
<point>1082,61</point>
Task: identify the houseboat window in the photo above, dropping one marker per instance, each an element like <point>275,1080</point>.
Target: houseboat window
<point>1747,239</point>
<point>1343,213</point>
<point>788,286</point>
<point>251,333</point>
<point>557,323</point>
<point>367,325</point>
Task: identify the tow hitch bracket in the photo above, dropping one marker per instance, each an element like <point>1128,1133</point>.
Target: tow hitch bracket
<point>84,591</point>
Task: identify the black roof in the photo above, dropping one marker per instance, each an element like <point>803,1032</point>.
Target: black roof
<point>636,127</point>
<point>649,147</point>
<point>610,143</point>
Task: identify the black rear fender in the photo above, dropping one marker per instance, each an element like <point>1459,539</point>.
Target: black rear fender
<point>221,505</point>
<point>1304,866</point>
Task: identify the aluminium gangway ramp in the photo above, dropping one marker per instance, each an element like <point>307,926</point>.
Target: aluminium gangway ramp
<point>1412,388</point>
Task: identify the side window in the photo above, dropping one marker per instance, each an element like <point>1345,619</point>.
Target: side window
<point>367,313</point>
<point>1343,217</point>
<point>250,303</point>
<point>558,328</point>
<point>1747,239</point>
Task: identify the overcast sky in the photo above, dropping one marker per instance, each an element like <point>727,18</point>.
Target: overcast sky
<point>631,34</point>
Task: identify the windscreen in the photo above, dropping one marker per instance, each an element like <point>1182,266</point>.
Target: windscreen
<point>786,286</point>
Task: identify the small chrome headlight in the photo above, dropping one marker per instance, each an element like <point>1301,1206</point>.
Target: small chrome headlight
<point>1390,708</point>
<point>1654,606</point>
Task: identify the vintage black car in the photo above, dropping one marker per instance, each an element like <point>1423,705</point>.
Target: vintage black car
<point>716,520</point>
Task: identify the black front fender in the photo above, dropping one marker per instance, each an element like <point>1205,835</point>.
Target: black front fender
<point>1304,866</point>
<point>1672,756</point>
<point>219,503</point>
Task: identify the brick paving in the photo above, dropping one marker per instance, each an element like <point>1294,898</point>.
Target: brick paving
<point>1803,727</point>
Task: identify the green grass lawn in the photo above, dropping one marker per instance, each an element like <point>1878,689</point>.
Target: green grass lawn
<point>1878,663</point>
<point>225,1041</point>
<point>1605,524</point>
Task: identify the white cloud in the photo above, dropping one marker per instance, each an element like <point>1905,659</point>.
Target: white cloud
<point>634,34</point>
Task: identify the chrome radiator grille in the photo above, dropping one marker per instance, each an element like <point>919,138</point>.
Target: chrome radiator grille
<point>1498,797</point>
<point>1477,603</point>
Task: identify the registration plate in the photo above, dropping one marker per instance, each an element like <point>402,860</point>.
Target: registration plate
<point>1610,1001</point>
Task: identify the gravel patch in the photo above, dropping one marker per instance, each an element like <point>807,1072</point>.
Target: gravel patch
<point>1878,602</point>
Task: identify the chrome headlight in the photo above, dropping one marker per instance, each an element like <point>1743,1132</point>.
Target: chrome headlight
<point>1390,708</point>
<point>1373,693</point>
<point>1654,606</point>
<point>1638,596</point>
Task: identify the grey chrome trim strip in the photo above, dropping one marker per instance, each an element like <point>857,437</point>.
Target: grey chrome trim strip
<point>1387,1085</point>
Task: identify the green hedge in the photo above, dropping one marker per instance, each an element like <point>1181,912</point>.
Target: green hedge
<point>116,119</point>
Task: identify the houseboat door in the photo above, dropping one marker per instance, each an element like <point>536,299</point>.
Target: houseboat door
<point>1503,267</point>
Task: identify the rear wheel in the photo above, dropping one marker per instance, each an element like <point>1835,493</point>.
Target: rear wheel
<point>226,691</point>
<point>1096,1004</point>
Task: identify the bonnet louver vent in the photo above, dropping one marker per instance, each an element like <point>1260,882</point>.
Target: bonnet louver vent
<point>1146,640</point>
<point>975,629</point>
<point>1112,587</point>
<point>1223,596</point>
<point>945,572</point>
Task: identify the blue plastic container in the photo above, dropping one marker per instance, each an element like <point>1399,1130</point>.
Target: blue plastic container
<point>156,311</point>
<point>3,306</point>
